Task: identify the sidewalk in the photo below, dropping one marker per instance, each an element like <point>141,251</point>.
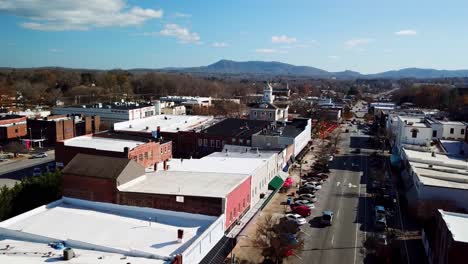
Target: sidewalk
<point>245,249</point>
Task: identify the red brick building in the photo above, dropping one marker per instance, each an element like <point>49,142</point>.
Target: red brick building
<point>12,127</point>
<point>144,151</point>
<point>96,178</point>
<point>62,127</point>
<point>106,179</point>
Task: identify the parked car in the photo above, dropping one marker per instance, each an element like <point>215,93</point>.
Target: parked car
<point>296,218</point>
<point>301,210</point>
<point>380,222</point>
<point>379,210</point>
<point>308,196</point>
<point>39,155</point>
<point>315,185</point>
<point>327,218</point>
<point>37,171</point>
<point>304,189</point>
<point>304,203</point>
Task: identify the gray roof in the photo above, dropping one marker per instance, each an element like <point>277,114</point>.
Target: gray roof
<point>99,166</point>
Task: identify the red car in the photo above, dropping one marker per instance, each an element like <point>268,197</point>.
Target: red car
<point>301,210</point>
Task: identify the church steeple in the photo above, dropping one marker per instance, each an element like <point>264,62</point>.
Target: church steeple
<point>268,94</point>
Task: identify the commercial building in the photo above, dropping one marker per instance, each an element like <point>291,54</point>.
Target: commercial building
<point>449,243</point>
<point>49,130</point>
<point>230,131</point>
<point>266,109</point>
<point>204,193</point>
<point>107,233</point>
<point>187,100</point>
<point>420,130</point>
<point>123,181</point>
<point>257,168</point>
<point>434,178</point>
<point>111,113</point>
<point>146,151</point>
<point>12,127</point>
<point>279,136</point>
<point>180,129</point>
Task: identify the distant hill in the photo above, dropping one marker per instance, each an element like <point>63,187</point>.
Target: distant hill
<point>279,68</point>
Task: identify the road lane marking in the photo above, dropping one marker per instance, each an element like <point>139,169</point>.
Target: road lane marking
<point>333,238</point>
<point>350,185</point>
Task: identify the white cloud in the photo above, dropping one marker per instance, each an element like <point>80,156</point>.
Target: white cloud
<point>334,57</point>
<point>283,39</point>
<point>220,44</point>
<point>406,32</point>
<point>182,15</point>
<point>356,43</point>
<point>59,15</point>
<point>182,34</point>
<point>270,51</point>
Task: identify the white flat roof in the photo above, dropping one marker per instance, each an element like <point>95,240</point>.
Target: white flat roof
<point>167,123</point>
<point>250,154</point>
<point>217,164</point>
<point>24,252</point>
<point>204,184</point>
<point>109,144</point>
<point>439,159</point>
<point>117,227</point>
<point>457,224</point>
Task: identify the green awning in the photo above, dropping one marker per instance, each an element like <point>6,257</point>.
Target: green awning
<point>275,183</point>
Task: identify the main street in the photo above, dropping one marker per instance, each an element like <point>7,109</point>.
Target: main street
<point>344,193</point>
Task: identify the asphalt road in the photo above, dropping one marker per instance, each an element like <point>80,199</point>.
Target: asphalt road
<point>344,193</point>
<point>24,168</point>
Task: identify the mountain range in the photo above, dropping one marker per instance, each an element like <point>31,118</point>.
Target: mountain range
<point>229,67</point>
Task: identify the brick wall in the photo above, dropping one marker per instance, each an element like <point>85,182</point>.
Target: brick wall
<point>65,154</point>
<point>89,188</point>
<point>13,132</point>
<point>191,204</point>
<point>146,154</point>
<point>237,202</point>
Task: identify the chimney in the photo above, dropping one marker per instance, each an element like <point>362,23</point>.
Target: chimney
<point>433,154</point>
<point>180,235</point>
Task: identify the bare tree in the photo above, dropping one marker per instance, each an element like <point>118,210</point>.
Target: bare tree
<point>15,148</point>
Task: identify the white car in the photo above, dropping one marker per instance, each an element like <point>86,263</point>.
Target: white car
<point>304,203</point>
<point>308,196</point>
<point>299,220</point>
<point>39,155</point>
<point>315,185</point>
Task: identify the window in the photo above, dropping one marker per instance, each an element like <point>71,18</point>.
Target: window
<point>238,206</point>
<point>248,142</point>
<point>151,154</point>
<point>135,158</point>
<point>462,131</point>
<point>161,150</point>
<point>452,130</point>
<point>255,113</point>
<point>218,143</point>
<point>243,203</point>
<point>212,143</point>
<point>205,142</point>
<point>146,155</point>
<point>16,130</point>
<point>414,133</point>
<point>230,215</point>
<point>241,141</point>
<point>140,157</point>
<point>200,142</point>
<point>235,211</point>
<point>434,133</point>
<point>271,115</point>
<point>233,140</point>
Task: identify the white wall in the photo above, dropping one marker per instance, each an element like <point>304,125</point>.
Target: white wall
<point>303,138</point>
<point>457,131</point>
<point>205,242</point>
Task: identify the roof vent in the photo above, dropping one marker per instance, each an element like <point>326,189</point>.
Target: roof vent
<point>130,126</point>
<point>147,128</point>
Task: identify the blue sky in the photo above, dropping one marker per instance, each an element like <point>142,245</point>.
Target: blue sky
<point>362,35</point>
